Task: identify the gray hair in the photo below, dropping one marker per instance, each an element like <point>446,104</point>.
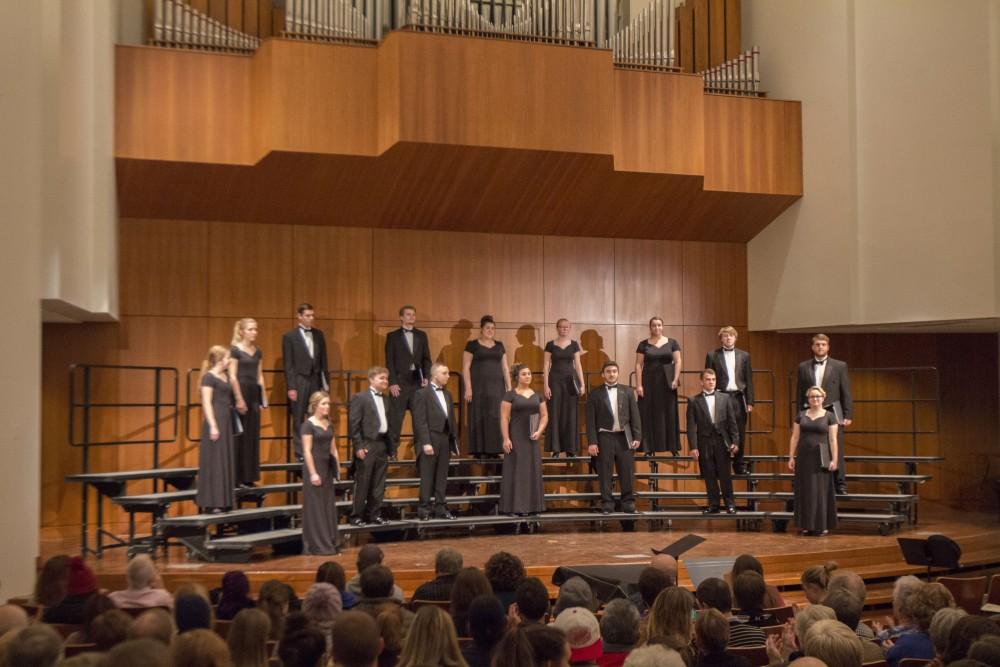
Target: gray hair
<point>812,614</point>
<point>575,592</point>
<point>942,623</point>
<point>904,587</point>
<point>849,581</point>
<point>141,572</point>
<point>448,561</point>
<point>620,623</point>
<point>834,643</point>
<point>35,645</point>
<point>654,655</point>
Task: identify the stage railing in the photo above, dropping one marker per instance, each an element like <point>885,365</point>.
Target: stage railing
<point>179,25</point>
<point>738,76</point>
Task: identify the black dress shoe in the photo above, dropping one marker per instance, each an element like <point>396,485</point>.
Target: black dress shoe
<point>842,490</point>
<point>356,521</point>
<point>448,516</point>
<point>630,510</point>
<point>730,509</point>
<point>710,510</point>
<point>424,517</point>
<point>740,470</point>
<point>605,510</point>
<point>379,521</point>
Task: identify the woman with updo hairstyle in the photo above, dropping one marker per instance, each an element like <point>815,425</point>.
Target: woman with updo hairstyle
<point>216,466</point>
<point>523,416</point>
<point>320,470</point>
<point>814,581</point>
<point>658,376</point>
<point>485,374</point>
<point>564,384</point>
<point>246,373</point>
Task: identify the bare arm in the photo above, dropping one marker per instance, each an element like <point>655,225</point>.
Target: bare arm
<point>543,412</point>
<point>467,375</point>
<point>505,367</point>
<point>505,426</point>
<point>792,446</point>
<point>335,455</point>
<point>263,387</point>
<point>307,441</point>
<point>209,412</point>
<point>677,370</point>
<point>639,362</point>
<point>833,446</point>
<point>546,367</point>
<point>578,363</point>
<point>241,404</point>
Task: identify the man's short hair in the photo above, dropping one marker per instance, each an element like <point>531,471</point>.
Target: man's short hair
<point>821,336</point>
<point>652,581</point>
<point>609,363</point>
<point>749,590</point>
<point>705,372</point>
<point>370,554</point>
<point>714,593</point>
<point>436,366</point>
<point>620,623</point>
<point>727,330</point>
<point>712,631</point>
<point>355,639</point>
<point>35,646</point>
<point>849,581</point>
<point>153,624</point>
<point>834,643</point>
<point>110,629</point>
<point>532,599</point>
<point>303,307</point>
<point>303,648</point>
<point>403,309</point>
<point>845,605</point>
<point>144,651</point>
<point>140,572</point>
<point>376,582</point>
<point>376,371</point>
<point>448,561</point>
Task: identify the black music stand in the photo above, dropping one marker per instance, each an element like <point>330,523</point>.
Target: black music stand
<point>689,541</point>
<point>936,551</point>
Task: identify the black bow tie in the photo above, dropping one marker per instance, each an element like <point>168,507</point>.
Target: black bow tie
<point>376,393</point>
<point>437,388</point>
<point>407,330</point>
<point>817,362</point>
<point>707,394</point>
<point>611,386</point>
<point>306,329</point>
<point>729,349</point>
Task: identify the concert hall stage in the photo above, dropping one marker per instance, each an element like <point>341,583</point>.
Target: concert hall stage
<point>784,555</point>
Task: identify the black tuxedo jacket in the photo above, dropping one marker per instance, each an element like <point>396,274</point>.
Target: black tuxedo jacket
<point>836,384</point>
<point>298,364</point>
<point>398,358</point>
<point>362,418</point>
<point>599,413</point>
<point>744,373</point>
<point>431,425</point>
<point>701,428</point>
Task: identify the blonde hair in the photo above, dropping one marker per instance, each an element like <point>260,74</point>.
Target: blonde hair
<point>670,616</point>
<point>214,356</point>
<point>238,329</point>
<point>817,389</point>
<point>834,643</point>
<point>812,614</point>
<point>818,575</point>
<point>431,641</point>
<point>200,648</point>
<point>314,400</point>
<point>727,330</point>
<point>247,639</point>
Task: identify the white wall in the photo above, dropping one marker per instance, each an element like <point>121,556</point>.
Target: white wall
<point>897,223</point>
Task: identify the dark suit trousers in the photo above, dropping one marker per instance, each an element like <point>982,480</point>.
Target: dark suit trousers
<point>369,480</point>
<point>739,405</point>
<point>433,471</point>
<point>398,405</point>
<point>613,452</point>
<point>715,464</point>
<point>304,387</point>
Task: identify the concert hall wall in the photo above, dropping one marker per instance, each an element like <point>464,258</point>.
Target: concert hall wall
<point>184,283</point>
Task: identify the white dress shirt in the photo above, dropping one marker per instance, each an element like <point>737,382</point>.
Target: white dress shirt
<point>613,399</point>
<point>383,423</point>
<point>439,392</point>
<point>730,357</point>
<point>819,370</point>
<point>307,336</point>
<point>408,337</point>
<point>710,400</point>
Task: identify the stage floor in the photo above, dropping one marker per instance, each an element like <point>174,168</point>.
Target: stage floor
<point>784,555</point>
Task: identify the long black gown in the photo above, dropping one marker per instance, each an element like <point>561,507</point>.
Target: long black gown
<point>487,389</point>
<point>521,489</point>
<point>216,472</point>
<point>658,406</point>
<point>815,500</point>
<point>563,432</point>
<point>319,503</point>
<point>247,449</point>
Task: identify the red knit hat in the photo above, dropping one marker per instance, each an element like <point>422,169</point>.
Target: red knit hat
<point>81,578</point>
<point>583,633</point>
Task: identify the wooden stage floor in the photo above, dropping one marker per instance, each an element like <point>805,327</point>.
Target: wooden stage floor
<point>784,555</point>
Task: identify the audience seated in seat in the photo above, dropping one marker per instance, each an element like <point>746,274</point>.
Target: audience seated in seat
<point>153,624</point>
<point>583,632</point>
<point>533,646</point>
<point>331,572</point>
<point>574,592</point>
<point>431,641</point>
<point>370,554</point>
<point>942,623</point>
<point>199,648</point>
<point>469,584</point>
<point>655,655</point>
<point>619,632</point>
<point>356,641</point>
<point>377,584</point>
<point>34,646</point>
<point>487,625</point>
<point>247,639</point>
<point>79,587</point>
<point>852,582</point>
<point>322,606</point>
<point>669,622</point>
<point>273,600</point>
<point>904,587</point>
<point>191,612</point>
<point>749,563</point>
<point>814,581</point>
<point>235,595</point>
<point>920,608</point>
<point>967,631</point>
<point>110,629</point>
<point>504,572</point>
<point>531,601</point>
<point>714,593</point>
<point>749,591</point>
<point>96,605</point>
<point>847,607</point>
<point>711,632</point>
<point>144,588</point>
<point>136,652</point>
<point>447,565</point>
<point>651,582</point>
<point>834,643</point>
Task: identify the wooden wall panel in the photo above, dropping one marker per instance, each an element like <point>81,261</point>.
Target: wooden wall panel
<point>249,270</point>
<point>578,280</point>
<point>701,35</point>
<point>715,288</point>
<point>734,23</point>
<point>149,249</point>
<point>331,269</point>
<point>659,123</point>
<point>717,32</point>
<point>685,38</point>
<point>648,281</point>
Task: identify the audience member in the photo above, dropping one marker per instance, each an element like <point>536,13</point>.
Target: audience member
<point>504,572</point>
<point>377,585</point>
<point>986,650</point>
<point>52,581</point>
<point>136,652</point>
<point>966,631</point>
<point>815,580</point>
<point>711,633</point>
<point>619,632</point>
<point>847,607</point>
<point>81,585</point>
<point>370,554</point>
<point>533,646</point>
<point>447,565</point>
<point>273,600</point>
<point>575,592</point>
<point>92,659</point>
<point>487,624</point>
<point>356,641</point>
<point>143,587</point>
<point>322,605</point>
<point>235,595</point>
<point>748,563</point>
<point>792,641</point>
<point>191,612</point>
<point>469,584</point>
<point>920,608</point>
<point>749,591</point>
<point>531,601</point>
<point>806,661</point>
<point>96,605</point>
<point>110,629</point>
<point>852,581</point>
<point>942,623</point>
<point>651,582</point>
<point>583,632</point>
<point>195,589</point>
<point>655,655</point>
<point>247,639</point>
<point>12,617</point>
<point>834,643</point>
<point>153,624</point>
<point>713,593</point>
<point>669,622</point>
<point>199,648</point>
<point>666,564</point>
<point>332,572</point>
<point>34,646</point>
<point>904,587</point>
<point>390,629</point>
<point>432,641</point>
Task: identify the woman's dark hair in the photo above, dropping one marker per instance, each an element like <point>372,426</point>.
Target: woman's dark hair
<point>487,620</point>
<point>505,571</point>
<point>469,584</point>
<point>964,634</point>
<point>516,370</point>
<point>486,319</point>
<point>97,604</point>
<point>235,595</point>
<point>529,645</point>
<point>50,587</point>
<point>332,572</point>
<point>304,648</point>
<point>273,600</point>
<point>746,562</point>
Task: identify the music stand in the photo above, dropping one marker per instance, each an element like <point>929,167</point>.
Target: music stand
<point>675,549</point>
<point>935,551</point>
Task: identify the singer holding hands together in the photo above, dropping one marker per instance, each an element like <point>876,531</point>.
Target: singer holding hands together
<point>523,416</point>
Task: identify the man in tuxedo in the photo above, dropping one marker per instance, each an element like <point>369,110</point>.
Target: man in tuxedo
<point>830,374</point>
<point>614,431</point>
<point>408,357</point>
<point>735,379</point>
<point>368,428</point>
<point>712,433</point>
<point>435,438</point>
<point>304,355</point>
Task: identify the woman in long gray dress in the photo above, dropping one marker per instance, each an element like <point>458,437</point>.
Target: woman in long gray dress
<point>484,371</point>
<point>812,456</point>
<point>563,375</point>
<point>523,417</point>
<point>658,375</point>
<point>247,376</point>
<point>216,472</point>
<point>321,469</point>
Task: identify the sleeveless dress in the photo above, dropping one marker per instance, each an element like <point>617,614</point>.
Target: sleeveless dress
<point>216,471</point>
<point>319,503</point>
<point>487,389</point>
<point>247,450</point>
<point>563,432</point>
<point>521,489</point>
<point>658,406</point>
<point>815,500</point>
